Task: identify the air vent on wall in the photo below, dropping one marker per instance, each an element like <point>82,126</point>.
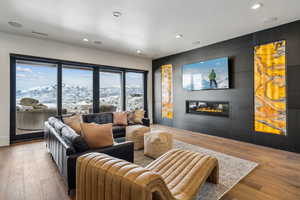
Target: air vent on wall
<point>39,33</point>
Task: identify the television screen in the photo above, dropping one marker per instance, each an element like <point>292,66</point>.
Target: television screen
<point>211,74</point>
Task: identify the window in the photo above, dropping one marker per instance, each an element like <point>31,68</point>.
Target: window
<point>134,91</point>
<point>77,90</point>
<point>110,91</point>
<point>42,88</point>
<point>36,95</point>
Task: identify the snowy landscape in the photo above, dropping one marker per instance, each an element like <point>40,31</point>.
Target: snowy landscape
<point>79,99</point>
<point>40,82</point>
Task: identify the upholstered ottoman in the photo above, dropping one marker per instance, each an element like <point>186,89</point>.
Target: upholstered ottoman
<point>135,133</point>
<point>157,143</point>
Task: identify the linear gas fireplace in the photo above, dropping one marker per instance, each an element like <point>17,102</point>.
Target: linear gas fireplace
<point>214,108</point>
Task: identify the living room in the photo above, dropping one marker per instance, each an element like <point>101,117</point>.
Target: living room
<point>149,100</point>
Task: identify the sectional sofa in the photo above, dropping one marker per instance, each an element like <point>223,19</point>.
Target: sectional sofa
<point>65,145</point>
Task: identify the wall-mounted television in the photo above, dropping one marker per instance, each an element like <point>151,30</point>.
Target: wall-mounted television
<point>206,75</point>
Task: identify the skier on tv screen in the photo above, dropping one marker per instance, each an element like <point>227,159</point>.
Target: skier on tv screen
<point>212,79</point>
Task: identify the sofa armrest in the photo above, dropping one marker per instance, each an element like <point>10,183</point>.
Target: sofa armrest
<point>122,150</point>
<point>146,122</point>
<point>53,140</point>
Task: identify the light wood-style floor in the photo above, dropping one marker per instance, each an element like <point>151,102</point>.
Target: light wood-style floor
<point>28,173</point>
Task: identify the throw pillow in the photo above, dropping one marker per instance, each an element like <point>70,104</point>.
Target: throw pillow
<point>138,116</point>
<point>130,117</point>
<point>74,122</point>
<point>120,118</point>
<point>96,135</point>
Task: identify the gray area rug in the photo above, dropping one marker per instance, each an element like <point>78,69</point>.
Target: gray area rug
<point>232,170</point>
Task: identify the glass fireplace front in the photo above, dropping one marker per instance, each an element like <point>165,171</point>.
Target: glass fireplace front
<point>214,108</point>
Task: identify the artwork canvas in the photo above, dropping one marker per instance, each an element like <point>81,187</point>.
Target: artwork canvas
<point>167,91</point>
<point>270,88</point>
<point>211,74</point>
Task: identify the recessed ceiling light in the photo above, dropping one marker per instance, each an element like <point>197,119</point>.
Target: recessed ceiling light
<point>196,42</point>
<point>117,14</point>
<point>98,42</point>
<point>85,39</point>
<point>15,24</point>
<point>256,6</point>
<point>270,20</point>
<point>178,36</point>
<point>138,51</point>
<point>39,33</point>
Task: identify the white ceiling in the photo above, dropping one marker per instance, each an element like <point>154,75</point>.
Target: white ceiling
<point>149,25</point>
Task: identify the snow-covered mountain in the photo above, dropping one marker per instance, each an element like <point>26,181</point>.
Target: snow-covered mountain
<point>81,98</point>
<point>205,84</point>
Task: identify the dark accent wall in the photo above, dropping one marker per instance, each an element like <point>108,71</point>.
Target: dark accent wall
<point>239,125</point>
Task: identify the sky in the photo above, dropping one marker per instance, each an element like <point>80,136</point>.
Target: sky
<point>134,79</point>
<point>28,76</point>
<point>114,79</point>
<point>74,77</point>
<point>219,65</point>
<point>31,76</point>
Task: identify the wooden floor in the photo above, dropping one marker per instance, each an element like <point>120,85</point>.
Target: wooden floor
<point>28,173</point>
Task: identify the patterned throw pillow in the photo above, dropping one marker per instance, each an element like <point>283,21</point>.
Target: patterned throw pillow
<point>138,116</point>
<point>120,118</point>
<point>74,122</point>
<point>96,135</point>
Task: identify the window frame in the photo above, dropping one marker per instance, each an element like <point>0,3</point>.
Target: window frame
<point>96,68</point>
<point>144,91</point>
<point>76,68</point>
<point>13,103</point>
<point>121,73</point>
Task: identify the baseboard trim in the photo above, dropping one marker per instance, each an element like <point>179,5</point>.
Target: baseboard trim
<point>26,140</point>
<point>4,141</point>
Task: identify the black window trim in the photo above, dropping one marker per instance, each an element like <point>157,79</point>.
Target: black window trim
<point>60,64</point>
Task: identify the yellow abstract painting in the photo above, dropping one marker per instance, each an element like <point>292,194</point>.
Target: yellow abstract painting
<point>270,88</point>
<point>167,91</point>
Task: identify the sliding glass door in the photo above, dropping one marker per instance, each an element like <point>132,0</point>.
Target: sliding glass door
<point>35,96</point>
<point>41,88</point>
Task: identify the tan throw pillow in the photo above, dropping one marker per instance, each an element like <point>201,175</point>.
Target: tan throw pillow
<point>130,117</point>
<point>120,118</point>
<point>96,135</point>
<point>74,122</point>
<point>138,116</point>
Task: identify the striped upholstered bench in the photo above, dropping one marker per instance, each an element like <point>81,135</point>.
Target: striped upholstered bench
<point>176,175</point>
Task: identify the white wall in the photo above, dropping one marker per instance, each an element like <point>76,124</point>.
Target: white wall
<point>45,48</point>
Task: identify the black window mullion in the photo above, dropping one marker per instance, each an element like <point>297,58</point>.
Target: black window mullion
<point>60,64</point>
<point>145,77</point>
<point>12,99</point>
<point>123,85</point>
<point>59,89</point>
<point>96,90</point>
